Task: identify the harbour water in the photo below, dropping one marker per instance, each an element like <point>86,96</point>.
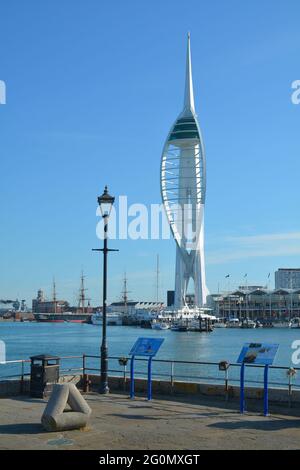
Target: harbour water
<point>68,339</point>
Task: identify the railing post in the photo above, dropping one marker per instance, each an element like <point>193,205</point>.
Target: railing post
<point>84,375</point>
<point>124,376</point>
<point>132,377</point>
<point>172,376</point>
<point>83,363</point>
<point>290,373</point>
<point>290,392</point>
<point>242,388</point>
<point>226,384</point>
<point>266,392</point>
<point>22,378</point>
<point>149,384</point>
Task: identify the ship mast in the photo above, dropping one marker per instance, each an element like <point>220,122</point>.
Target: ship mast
<point>125,293</point>
<point>54,295</point>
<point>82,297</point>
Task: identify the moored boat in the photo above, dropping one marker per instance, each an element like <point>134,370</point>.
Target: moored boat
<point>295,323</point>
<point>248,323</point>
<point>220,323</point>
<point>233,323</point>
<point>65,317</point>
<point>112,319</point>
<point>159,325</point>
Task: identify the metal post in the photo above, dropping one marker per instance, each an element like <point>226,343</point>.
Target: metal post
<point>124,376</point>
<point>266,398</point>
<point>149,379</point>
<point>242,389</point>
<point>290,391</point>
<point>22,377</point>
<point>172,375</point>
<point>226,384</point>
<point>132,378</point>
<point>85,377</point>
<point>83,364</point>
<point>104,351</point>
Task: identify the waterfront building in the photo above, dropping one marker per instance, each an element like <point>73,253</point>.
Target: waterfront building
<point>40,305</point>
<point>183,188</point>
<point>262,304</point>
<point>287,278</point>
<point>135,309</point>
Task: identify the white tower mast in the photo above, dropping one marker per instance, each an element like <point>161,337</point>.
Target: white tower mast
<point>183,188</point>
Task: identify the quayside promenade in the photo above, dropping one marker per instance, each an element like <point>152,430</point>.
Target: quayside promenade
<point>120,423</point>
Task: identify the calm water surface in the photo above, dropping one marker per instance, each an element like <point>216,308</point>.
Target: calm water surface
<point>63,339</point>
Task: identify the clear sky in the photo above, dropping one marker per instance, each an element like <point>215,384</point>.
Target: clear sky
<point>92,90</point>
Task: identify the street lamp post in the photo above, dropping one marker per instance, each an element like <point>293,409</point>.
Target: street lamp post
<point>105,202</point>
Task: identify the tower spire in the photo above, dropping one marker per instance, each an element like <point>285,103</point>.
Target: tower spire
<point>189,105</point>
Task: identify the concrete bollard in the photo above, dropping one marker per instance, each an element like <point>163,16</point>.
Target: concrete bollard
<point>56,418</point>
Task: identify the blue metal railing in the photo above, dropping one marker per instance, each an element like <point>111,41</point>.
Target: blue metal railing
<point>163,369</point>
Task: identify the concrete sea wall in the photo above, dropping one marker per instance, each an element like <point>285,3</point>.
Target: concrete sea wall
<point>215,391</point>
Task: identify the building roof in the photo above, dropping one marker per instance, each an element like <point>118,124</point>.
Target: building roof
<point>289,269</point>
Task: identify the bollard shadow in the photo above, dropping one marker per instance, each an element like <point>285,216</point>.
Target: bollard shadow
<point>172,415</point>
<point>21,428</point>
<point>132,416</point>
<point>258,425</point>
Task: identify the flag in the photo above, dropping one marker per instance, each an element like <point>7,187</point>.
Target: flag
<point>228,275</point>
<point>269,275</point>
<point>246,275</point>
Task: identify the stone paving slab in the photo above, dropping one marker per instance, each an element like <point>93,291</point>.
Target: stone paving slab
<point>120,423</point>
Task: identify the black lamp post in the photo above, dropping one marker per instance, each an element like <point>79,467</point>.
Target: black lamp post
<point>105,202</point>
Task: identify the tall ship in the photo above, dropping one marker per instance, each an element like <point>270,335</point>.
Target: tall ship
<point>65,317</point>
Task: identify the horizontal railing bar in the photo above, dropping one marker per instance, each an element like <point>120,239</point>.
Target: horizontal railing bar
<point>17,361</point>
<point>175,361</point>
<point>70,357</point>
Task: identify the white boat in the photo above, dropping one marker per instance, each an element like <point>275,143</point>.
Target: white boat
<point>233,323</point>
<point>159,325</point>
<point>248,324</point>
<point>220,323</point>
<point>295,323</point>
<point>112,319</point>
<point>187,313</point>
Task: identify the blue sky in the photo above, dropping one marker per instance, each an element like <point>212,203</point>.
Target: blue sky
<point>92,90</point>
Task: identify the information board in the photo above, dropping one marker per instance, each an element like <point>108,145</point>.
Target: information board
<point>258,353</point>
<point>146,347</point>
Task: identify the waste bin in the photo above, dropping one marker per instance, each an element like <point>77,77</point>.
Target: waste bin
<point>44,373</point>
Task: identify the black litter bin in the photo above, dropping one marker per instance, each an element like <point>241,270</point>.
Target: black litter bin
<point>44,374</point>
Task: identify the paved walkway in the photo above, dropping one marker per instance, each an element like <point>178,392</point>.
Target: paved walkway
<point>119,423</point>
